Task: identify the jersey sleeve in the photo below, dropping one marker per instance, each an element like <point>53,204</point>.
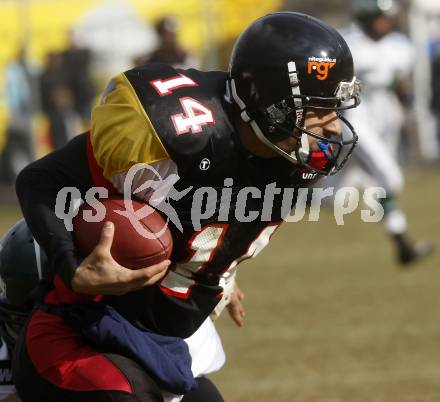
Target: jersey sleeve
<point>37,187</point>
<point>122,134</point>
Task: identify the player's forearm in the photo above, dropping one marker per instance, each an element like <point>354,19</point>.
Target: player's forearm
<point>37,188</point>
<point>37,191</point>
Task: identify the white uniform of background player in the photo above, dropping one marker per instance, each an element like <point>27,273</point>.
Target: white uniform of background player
<point>381,60</point>
<point>379,64</point>
<point>379,119</point>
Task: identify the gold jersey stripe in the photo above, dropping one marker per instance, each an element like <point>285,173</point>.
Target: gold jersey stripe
<point>122,134</point>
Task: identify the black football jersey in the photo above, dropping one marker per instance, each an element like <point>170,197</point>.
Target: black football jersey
<point>206,155</point>
<point>160,115</point>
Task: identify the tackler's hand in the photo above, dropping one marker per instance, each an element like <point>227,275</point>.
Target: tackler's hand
<point>235,307</point>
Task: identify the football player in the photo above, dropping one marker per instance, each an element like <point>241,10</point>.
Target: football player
<point>383,61</point>
<point>274,117</point>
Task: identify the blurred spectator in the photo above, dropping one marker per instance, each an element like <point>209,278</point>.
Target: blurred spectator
<point>20,148</point>
<point>170,51</point>
<point>57,101</point>
<point>76,62</point>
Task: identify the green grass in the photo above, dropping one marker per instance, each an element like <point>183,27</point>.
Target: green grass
<point>331,317</point>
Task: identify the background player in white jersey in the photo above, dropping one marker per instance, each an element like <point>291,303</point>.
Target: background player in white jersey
<point>383,60</point>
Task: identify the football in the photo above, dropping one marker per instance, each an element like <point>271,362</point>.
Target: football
<point>141,236</point>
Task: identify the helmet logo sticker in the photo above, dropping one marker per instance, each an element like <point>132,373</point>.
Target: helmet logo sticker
<point>320,66</point>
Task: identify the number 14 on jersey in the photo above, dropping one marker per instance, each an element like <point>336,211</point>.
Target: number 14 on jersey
<point>195,115</point>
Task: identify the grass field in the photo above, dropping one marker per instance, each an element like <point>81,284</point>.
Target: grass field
<point>331,317</point>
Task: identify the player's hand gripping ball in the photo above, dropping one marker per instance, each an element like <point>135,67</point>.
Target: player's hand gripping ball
<point>130,247</point>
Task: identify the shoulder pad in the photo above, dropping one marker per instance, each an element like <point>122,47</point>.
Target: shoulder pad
<point>186,107</point>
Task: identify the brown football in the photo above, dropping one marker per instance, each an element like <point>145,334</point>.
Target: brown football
<point>134,246</point>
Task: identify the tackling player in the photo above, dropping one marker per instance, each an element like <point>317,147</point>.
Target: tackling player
<point>274,117</point>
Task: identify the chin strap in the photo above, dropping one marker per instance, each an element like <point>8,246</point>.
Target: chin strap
<point>243,112</point>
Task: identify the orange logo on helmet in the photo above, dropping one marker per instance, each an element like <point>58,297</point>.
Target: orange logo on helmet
<point>320,66</point>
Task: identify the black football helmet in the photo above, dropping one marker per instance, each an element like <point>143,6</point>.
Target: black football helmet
<point>285,64</point>
<point>22,265</point>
